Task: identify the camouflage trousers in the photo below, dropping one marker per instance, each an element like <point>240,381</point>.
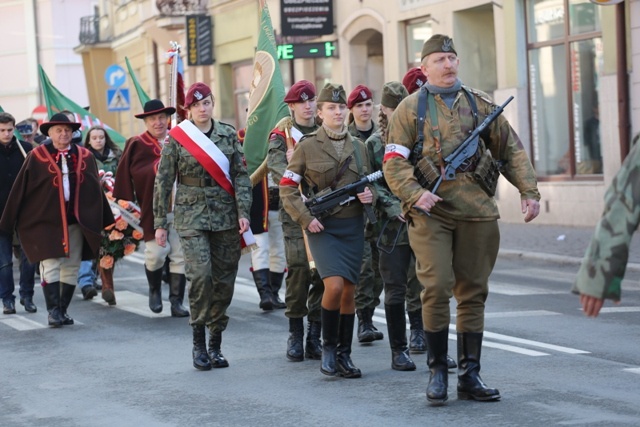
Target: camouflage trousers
<point>398,272</point>
<point>370,285</point>
<point>454,258</point>
<point>211,265</point>
<point>303,288</point>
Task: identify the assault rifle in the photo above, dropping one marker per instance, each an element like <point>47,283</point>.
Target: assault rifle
<point>468,148</point>
<point>323,203</point>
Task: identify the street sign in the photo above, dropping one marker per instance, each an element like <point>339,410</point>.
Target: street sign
<point>39,113</point>
<point>118,99</point>
<point>115,75</point>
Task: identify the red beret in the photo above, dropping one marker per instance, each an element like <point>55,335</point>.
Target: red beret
<point>360,94</point>
<point>197,92</point>
<point>414,79</point>
<point>300,92</point>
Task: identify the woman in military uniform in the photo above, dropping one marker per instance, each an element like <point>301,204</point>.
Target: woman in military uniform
<point>326,160</point>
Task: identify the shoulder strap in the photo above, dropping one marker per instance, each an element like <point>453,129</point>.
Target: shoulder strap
<point>356,153</point>
<point>422,112</point>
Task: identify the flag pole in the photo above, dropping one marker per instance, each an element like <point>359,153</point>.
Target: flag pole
<point>173,82</point>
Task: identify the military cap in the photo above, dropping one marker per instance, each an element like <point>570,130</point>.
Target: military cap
<point>24,128</point>
<point>414,79</point>
<point>392,94</point>
<point>438,43</point>
<point>361,93</point>
<point>300,92</point>
<point>197,92</point>
<point>333,93</point>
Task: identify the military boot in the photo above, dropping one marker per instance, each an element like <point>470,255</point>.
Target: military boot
<point>108,292</point>
<point>275,280</point>
<point>261,278</point>
<point>437,346</point>
<point>51,293</point>
<point>397,329</point>
<point>154,278</point>
<point>295,352</point>
<point>344,364</point>
<point>417,341</point>
<point>215,354</point>
<point>330,330</point>
<point>66,295</point>
<point>377,335</point>
<point>470,385</point>
<point>313,347</point>
<point>177,285</point>
<point>365,326</point>
<point>200,357</point>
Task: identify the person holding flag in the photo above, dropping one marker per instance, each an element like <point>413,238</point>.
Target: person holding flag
<point>212,202</point>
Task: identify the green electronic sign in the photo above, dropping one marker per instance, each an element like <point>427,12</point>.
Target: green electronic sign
<point>307,50</point>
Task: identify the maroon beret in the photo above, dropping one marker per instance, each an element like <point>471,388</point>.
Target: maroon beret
<point>197,92</point>
<point>414,79</point>
<point>360,94</point>
<point>300,92</point>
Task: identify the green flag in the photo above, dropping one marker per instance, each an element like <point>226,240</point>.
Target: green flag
<point>15,129</point>
<point>266,98</point>
<point>57,102</point>
<point>142,95</point>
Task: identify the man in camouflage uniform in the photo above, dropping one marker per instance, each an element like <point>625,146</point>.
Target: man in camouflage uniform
<point>605,261</point>
<point>303,285</point>
<point>456,244</point>
<point>369,288</point>
<point>207,217</point>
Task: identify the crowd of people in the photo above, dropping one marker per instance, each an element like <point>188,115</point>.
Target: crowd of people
<point>186,193</point>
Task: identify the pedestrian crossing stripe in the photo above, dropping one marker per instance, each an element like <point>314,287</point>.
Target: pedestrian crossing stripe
<point>118,99</point>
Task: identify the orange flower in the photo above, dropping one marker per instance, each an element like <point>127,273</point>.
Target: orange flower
<point>124,204</point>
<point>109,227</point>
<point>116,235</point>
<point>129,249</point>
<point>137,235</point>
<point>121,224</point>
<point>106,262</point>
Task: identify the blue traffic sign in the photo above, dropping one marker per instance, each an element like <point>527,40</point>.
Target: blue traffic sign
<point>115,75</point>
<point>118,99</point>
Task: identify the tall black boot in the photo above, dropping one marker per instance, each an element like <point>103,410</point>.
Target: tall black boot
<point>330,326</point>
<point>344,364</point>
<point>66,295</point>
<point>261,278</point>
<point>51,293</point>
<point>275,280</point>
<point>437,346</point>
<point>177,284</point>
<point>295,352</point>
<point>313,347</point>
<point>417,342</point>
<point>155,289</point>
<point>215,354</point>
<point>396,326</point>
<point>365,326</point>
<point>470,385</point>
<point>200,357</point>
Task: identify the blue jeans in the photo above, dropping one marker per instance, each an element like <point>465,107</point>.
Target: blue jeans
<point>27,271</point>
<point>86,275</point>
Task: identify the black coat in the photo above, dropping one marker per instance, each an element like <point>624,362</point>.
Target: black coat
<point>11,160</point>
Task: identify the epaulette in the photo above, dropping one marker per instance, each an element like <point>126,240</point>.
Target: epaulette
<point>308,135</point>
<point>284,123</point>
<point>480,94</point>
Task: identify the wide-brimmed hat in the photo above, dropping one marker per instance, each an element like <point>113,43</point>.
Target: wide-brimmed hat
<point>58,119</point>
<point>155,106</point>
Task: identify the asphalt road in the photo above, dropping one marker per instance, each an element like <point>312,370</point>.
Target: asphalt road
<point>126,366</point>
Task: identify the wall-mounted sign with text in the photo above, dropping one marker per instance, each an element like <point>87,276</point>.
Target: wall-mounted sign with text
<point>306,17</point>
<point>199,40</point>
<point>307,50</point>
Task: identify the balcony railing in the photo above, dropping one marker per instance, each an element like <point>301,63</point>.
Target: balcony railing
<point>89,30</point>
<point>182,7</point>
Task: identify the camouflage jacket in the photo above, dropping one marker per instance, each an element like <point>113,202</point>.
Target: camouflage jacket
<point>353,130</point>
<point>605,261</point>
<point>463,198</point>
<point>202,208</point>
<point>315,163</point>
<point>387,205</point>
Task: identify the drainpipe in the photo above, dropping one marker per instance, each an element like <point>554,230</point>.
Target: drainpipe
<point>624,125</point>
<point>37,41</point>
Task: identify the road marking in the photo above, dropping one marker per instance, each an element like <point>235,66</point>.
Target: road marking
<point>508,338</point>
<point>21,323</point>
<point>131,302</point>
<point>521,290</point>
<point>633,370</point>
<point>510,348</point>
<point>530,313</point>
<point>136,257</point>
<point>619,309</point>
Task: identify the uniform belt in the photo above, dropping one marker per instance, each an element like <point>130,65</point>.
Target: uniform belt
<point>195,182</point>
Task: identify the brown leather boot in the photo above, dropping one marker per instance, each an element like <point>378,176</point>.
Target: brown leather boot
<point>108,294</point>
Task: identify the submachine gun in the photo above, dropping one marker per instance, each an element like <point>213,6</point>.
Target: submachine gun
<point>323,203</point>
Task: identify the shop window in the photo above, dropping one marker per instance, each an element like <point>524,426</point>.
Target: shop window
<point>323,72</point>
<point>565,65</point>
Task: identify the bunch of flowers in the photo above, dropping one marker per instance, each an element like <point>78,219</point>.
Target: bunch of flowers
<point>118,239</point>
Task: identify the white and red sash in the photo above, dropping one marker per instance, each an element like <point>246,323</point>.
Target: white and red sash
<point>211,159</point>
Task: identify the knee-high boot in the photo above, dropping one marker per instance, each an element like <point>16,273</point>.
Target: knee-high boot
<point>275,279</point>
<point>51,293</point>
<point>397,329</point>
<point>437,346</point>
<point>330,327</point>
<point>344,364</point>
<point>199,353</point>
<point>470,385</point>
<point>108,292</point>
<point>177,284</point>
<point>66,295</point>
<point>155,289</point>
<point>261,278</point>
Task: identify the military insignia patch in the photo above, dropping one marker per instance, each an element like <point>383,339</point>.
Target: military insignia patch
<point>197,95</point>
<point>446,44</point>
<point>363,94</point>
<point>304,96</point>
<point>335,96</point>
